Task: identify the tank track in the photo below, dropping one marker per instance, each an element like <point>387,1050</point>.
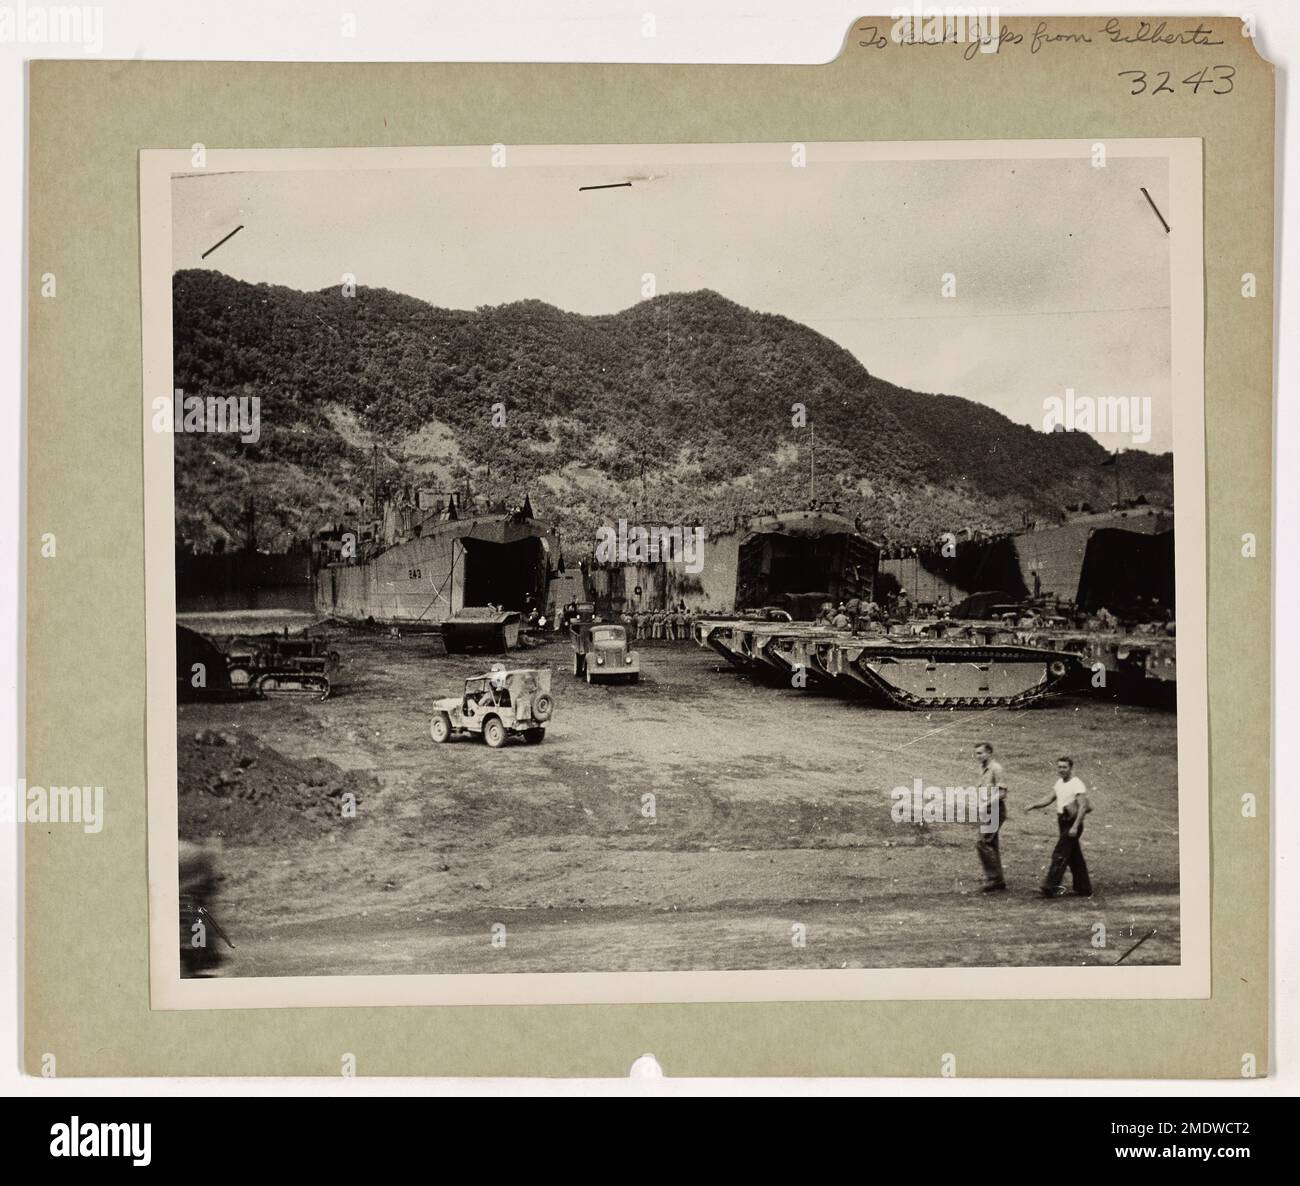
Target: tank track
<point>844,661</point>
<point>1059,667</point>
<point>291,685</point>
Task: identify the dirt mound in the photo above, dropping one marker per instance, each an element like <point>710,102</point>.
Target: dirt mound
<point>232,786</point>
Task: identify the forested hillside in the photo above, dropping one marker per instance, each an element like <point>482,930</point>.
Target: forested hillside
<point>681,405</point>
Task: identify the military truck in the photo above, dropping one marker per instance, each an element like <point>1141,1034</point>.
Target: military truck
<point>601,652</point>
<point>500,704</point>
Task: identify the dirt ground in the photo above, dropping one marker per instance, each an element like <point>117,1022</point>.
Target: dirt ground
<point>771,812</point>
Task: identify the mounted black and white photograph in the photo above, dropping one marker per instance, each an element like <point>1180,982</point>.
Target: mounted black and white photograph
<point>678,572</point>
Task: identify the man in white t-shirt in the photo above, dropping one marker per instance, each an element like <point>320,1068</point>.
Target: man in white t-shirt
<point>1071,799</point>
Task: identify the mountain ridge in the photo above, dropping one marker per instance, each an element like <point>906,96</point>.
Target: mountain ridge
<point>679,408</point>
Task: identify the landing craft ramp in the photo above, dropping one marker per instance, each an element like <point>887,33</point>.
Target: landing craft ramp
<point>797,556</point>
<point>439,568</point>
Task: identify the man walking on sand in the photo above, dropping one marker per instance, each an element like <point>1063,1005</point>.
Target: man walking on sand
<point>993,783</point>
<point>1071,799</point>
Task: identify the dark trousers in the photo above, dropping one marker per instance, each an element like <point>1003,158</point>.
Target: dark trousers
<point>990,852</point>
<point>1068,852</point>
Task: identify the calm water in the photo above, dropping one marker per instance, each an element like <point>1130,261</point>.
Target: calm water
<point>279,597</point>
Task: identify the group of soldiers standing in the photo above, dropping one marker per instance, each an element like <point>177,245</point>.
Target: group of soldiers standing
<point>672,625</point>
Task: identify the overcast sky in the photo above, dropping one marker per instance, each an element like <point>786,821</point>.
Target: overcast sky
<point>1062,269</point>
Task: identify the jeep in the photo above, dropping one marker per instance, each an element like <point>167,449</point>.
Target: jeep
<point>498,704</point>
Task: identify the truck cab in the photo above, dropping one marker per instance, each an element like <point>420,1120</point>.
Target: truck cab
<point>600,652</point>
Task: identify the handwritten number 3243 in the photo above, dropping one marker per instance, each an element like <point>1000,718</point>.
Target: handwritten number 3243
<point>1219,82</point>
